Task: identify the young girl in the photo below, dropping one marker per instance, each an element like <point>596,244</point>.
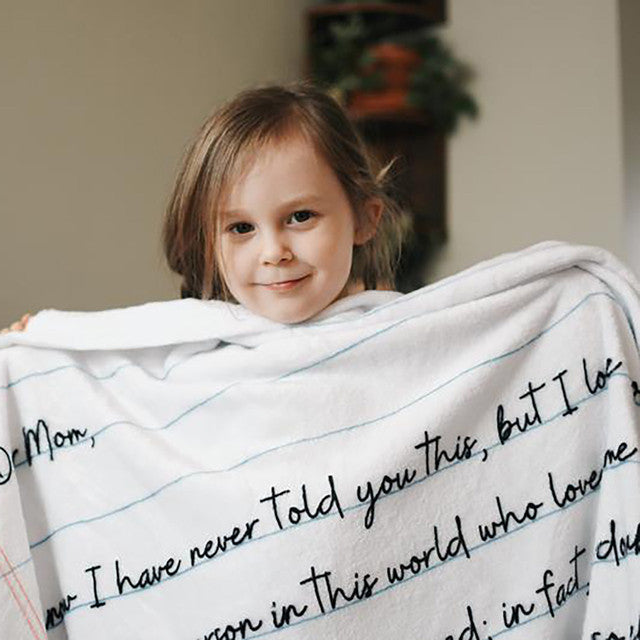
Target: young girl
<point>397,459</point>
<point>277,207</point>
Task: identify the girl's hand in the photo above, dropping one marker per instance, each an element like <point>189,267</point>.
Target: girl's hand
<point>20,325</point>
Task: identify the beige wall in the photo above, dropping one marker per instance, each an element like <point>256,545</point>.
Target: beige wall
<point>544,161</point>
<point>630,58</point>
<point>98,102</point>
<point>99,99</point>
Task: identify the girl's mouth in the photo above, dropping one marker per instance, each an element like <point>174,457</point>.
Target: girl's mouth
<point>285,286</point>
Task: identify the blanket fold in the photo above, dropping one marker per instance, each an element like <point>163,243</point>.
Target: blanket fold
<point>458,462</point>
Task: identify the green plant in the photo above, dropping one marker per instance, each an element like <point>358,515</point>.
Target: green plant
<point>438,84</point>
<point>341,61</point>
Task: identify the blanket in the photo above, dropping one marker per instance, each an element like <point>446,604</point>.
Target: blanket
<point>456,463</point>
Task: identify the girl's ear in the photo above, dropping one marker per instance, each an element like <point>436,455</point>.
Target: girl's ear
<point>372,212</point>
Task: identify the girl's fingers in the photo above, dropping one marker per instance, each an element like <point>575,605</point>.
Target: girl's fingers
<point>19,325</point>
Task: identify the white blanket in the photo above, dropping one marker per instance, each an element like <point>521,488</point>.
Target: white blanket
<point>460,462</point>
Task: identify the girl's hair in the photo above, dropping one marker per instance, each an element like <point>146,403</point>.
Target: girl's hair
<point>228,140</point>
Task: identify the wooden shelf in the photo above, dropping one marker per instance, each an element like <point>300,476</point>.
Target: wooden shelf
<point>389,18</point>
<point>408,116</point>
<point>432,12</point>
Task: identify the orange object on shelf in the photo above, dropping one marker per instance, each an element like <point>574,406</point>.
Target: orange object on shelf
<point>396,64</point>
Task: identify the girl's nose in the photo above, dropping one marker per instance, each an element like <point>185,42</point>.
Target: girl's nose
<point>275,249</point>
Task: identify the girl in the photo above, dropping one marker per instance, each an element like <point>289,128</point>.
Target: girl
<point>277,207</point>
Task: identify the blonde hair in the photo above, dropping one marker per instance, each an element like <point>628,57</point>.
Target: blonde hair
<point>223,146</point>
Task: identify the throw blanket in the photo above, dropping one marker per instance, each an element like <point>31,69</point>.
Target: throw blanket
<point>460,462</point>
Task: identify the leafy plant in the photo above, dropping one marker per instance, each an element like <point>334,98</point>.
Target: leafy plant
<point>438,84</point>
<point>341,60</point>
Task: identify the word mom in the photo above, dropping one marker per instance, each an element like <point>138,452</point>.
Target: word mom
<point>39,441</point>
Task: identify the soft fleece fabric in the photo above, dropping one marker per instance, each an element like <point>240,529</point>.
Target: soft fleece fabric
<point>459,462</point>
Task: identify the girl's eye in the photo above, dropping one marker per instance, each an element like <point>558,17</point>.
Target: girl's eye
<point>238,224</point>
<point>242,228</point>
<point>305,213</point>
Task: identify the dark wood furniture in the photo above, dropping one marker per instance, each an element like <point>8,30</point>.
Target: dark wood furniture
<point>420,170</point>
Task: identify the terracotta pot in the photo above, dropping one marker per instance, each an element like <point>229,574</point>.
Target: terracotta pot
<point>396,63</point>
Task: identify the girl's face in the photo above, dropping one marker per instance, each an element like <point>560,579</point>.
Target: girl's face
<point>287,233</point>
